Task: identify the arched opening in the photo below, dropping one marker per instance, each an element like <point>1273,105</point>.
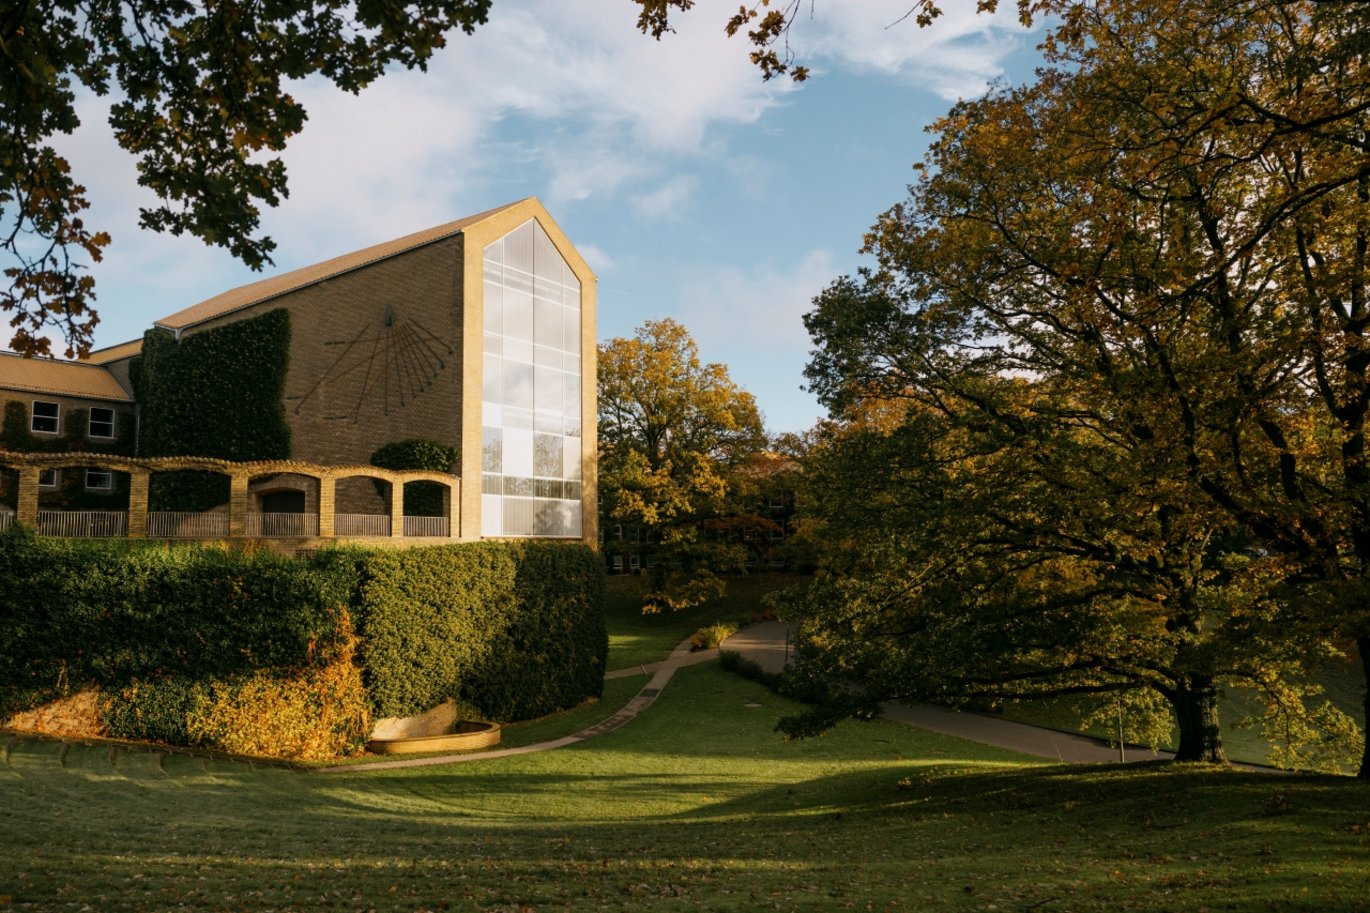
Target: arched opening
<point>82,501</point>
<point>188,504</point>
<point>283,506</point>
<point>361,507</point>
<point>427,506</point>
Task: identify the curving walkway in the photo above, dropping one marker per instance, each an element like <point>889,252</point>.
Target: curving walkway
<point>767,644</point>
<point>661,673</point>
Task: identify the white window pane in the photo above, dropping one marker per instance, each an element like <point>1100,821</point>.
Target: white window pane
<point>548,358</point>
<point>570,364</point>
<point>548,390</point>
<point>570,333</point>
<point>495,251</point>
<point>519,516</point>
<point>518,385</point>
<point>491,513</point>
<point>547,323</point>
<point>494,307</point>
<point>518,350</point>
<point>518,315</point>
<point>570,393</point>
<point>518,248</point>
<point>571,461</point>
<point>492,343</point>
<point>572,284</point>
<point>518,452</point>
<point>547,455</point>
<point>492,444</point>
<point>492,381</point>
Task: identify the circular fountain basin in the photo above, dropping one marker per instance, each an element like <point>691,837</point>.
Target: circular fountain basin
<point>464,735</point>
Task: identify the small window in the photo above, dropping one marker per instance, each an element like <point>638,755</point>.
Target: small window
<point>46,417</point>
<point>99,479</point>
<point>101,422</point>
<point>50,478</point>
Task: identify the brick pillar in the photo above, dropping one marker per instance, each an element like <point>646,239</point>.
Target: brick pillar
<point>237,505</point>
<point>26,512</point>
<point>137,503</point>
<point>328,487</point>
<point>451,506</point>
<point>396,508</point>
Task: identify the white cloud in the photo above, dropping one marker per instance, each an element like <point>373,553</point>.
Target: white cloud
<point>955,57</point>
<point>599,260</point>
<point>666,200</point>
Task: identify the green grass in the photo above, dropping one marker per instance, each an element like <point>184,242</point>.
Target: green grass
<point>637,639</point>
<point>695,805</point>
<point>1344,683</point>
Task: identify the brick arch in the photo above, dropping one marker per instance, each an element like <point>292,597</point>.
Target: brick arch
<point>30,467</point>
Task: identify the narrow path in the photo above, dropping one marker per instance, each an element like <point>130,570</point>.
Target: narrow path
<point>768,645</point>
<point>661,673</point>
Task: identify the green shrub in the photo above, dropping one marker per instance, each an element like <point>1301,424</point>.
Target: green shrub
<point>513,628</point>
<point>421,499</point>
<point>254,653</point>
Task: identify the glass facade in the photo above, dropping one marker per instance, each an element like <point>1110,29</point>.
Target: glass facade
<point>531,404</point>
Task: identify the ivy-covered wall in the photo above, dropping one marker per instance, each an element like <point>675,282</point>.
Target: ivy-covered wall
<point>71,493</point>
<point>218,393</point>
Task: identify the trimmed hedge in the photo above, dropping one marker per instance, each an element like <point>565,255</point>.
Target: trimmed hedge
<point>252,652</point>
<point>515,629</point>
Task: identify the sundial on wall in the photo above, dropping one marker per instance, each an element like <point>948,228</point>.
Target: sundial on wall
<point>388,365</point>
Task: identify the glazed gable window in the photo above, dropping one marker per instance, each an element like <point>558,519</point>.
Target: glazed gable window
<point>46,417</point>
<point>101,422</point>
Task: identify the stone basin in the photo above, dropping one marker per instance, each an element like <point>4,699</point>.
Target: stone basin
<point>462,735</point>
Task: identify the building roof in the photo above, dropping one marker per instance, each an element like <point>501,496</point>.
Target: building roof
<point>262,290</point>
<point>111,354</point>
<point>62,378</point>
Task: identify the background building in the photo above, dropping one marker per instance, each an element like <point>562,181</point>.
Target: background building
<point>477,335</point>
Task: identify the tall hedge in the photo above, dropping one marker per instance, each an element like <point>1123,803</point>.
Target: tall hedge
<point>108,613</point>
<point>255,652</point>
<point>515,629</point>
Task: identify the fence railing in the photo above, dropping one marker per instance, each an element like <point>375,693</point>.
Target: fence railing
<point>283,526</point>
<point>6,519</point>
<point>361,524</point>
<point>166,524</point>
<point>425,526</point>
<point>83,524</point>
<point>176,524</point>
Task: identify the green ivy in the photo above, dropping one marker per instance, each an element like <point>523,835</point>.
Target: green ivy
<point>421,499</point>
<point>71,494</point>
<point>217,393</point>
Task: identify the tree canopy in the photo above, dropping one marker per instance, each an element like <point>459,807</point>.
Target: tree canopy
<point>672,434</point>
<point>1140,280</point>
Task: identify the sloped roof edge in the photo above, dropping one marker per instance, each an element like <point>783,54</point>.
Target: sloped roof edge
<point>59,378</point>
<point>273,286</point>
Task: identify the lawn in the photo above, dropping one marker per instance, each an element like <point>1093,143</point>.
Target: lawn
<point>695,805</point>
<point>635,638</point>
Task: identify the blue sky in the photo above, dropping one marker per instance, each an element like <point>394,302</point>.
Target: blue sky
<point>695,190</point>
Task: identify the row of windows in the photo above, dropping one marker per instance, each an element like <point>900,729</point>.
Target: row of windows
<point>96,479</point>
<point>47,419</point>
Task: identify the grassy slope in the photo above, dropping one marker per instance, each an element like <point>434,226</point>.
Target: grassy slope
<point>696,804</point>
<point>635,638</point>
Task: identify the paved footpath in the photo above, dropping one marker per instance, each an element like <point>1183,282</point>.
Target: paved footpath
<point>767,644</point>
<point>661,674</point>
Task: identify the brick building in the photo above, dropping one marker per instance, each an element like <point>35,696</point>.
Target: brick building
<point>477,334</point>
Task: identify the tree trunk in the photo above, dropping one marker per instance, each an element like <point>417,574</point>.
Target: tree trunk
<point>1363,645</point>
<point>1195,703</point>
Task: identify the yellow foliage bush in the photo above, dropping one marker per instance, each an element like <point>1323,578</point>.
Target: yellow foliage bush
<point>318,713</point>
